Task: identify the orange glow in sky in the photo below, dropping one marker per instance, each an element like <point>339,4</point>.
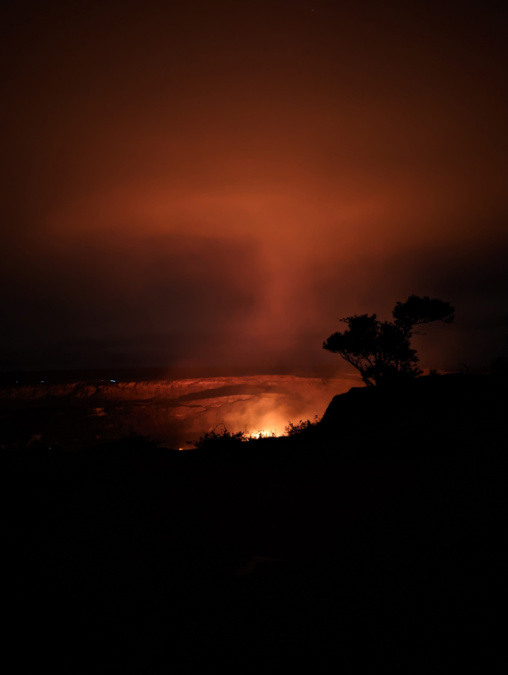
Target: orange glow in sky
<point>218,183</point>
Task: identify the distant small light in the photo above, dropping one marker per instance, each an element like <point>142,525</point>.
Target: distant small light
<point>17,381</point>
<point>112,380</point>
<point>42,381</point>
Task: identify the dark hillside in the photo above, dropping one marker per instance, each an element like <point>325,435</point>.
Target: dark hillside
<point>435,414</point>
<point>373,538</point>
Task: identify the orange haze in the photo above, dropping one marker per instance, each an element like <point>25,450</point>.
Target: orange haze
<point>195,183</point>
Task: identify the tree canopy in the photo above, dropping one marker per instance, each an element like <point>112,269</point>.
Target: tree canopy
<point>381,350</point>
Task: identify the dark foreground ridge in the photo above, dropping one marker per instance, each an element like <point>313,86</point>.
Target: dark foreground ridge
<point>372,538</point>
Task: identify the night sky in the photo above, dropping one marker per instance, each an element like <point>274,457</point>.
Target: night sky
<point>216,183</point>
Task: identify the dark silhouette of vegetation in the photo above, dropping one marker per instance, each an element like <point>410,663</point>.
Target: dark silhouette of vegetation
<point>220,438</point>
<point>223,439</point>
<point>381,350</point>
<point>301,427</point>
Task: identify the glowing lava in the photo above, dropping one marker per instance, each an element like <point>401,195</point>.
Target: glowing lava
<point>263,433</point>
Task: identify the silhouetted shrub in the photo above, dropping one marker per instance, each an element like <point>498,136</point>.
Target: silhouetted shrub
<point>220,439</point>
<point>300,427</point>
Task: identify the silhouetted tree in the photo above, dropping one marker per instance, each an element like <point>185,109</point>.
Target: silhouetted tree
<point>381,350</point>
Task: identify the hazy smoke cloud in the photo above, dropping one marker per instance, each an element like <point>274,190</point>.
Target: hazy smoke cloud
<point>202,184</point>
